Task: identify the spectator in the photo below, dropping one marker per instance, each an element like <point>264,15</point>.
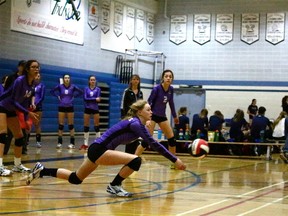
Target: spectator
<point>252,110</point>
<point>200,122</point>
<point>285,104</point>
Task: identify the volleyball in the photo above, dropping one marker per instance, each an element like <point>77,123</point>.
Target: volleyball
<point>199,148</point>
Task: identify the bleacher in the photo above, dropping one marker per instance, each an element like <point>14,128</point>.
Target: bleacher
<point>111,93</point>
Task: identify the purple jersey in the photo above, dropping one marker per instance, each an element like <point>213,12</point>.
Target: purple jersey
<point>158,100</point>
<point>18,97</point>
<point>127,131</point>
<point>90,96</point>
<point>39,94</point>
<point>66,94</point>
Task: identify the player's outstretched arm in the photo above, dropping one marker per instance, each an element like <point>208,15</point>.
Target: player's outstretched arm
<point>180,165</point>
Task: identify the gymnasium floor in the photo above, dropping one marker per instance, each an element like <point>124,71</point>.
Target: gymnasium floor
<point>212,186</point>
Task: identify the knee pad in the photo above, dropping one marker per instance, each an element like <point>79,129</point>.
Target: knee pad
<point>71,127</point>
<point>144,144</point>
<point>135,164</point>
<point>20,142</point>
<point>3,138</point>
<point>73,179</point>
<point>86,129</point>
<point>60,127</point>
<point>172,142</point>
<point>96,128</point>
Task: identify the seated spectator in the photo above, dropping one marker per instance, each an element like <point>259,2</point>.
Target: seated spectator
<point>260,126</point>
<point>239,131</point>
<point>200,122</point>
<point>216,124</point>
<point>278,127</point>
<point>183,121</point>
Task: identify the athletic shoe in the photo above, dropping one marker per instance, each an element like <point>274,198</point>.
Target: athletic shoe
<point>38,145</point>
<point>118,191</point>
<point>284,157</point>
<point>4,171</point>
<point>71,146</point>
<point>83,147</point>
<point>35,173</point>
<point>20,168</point>
<point>59,146</point>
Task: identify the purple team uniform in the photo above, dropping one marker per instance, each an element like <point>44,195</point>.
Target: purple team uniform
<point>17,97</point>
<point>90,96</point>
<point>39,96</point>
<point>158,100</point>
<point>125,132</point>
<point>66,94</point>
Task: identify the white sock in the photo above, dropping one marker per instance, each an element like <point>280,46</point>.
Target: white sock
<point>98,134</point>
<point>17,161</point>
<point>86,138</point>
<point>1,161</point>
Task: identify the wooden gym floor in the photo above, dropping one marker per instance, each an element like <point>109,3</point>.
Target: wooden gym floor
<point>212,186</point>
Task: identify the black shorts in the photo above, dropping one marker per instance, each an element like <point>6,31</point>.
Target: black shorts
<point>95,151</point>
<point>66,109</point>
<point>8,113</point>
<point>158,119</point>
<point>38,109</point>
<point>91,111</point>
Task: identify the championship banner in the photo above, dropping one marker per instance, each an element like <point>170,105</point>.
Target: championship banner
<point>224,28</point>
<point>118,18</point>
<point>202,28</point>
<point>105,16</point>
<point>250,28</point>
<point>50,19</point>
<point>150,28</point>
<point>130,22</point>
<point>275,27</point>
<point>93,14</point>
<point>178,29</point>
<point>140,15</point>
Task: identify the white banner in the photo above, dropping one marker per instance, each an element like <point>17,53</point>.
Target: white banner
<point>224,28</point>
<point>49,18</point>
<point>140,24</point>
<point>118,18</point>
<point>178,29</point>
<point>275,28</point>
<point>105,16</point>
<point>202,28</point>
<point>130,22</point>
<point>93,14</point>
<point>150,28</point>
<point>250,28</point>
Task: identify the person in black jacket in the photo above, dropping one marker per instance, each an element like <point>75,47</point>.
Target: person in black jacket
<point>131,95</point>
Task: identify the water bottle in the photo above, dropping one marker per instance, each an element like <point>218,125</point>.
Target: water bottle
<point>198,135</point>
<point>216,137</point>
<point>181,134</point>
<point>187,134</point>
<point>262,136</point>
<point>159,134</point>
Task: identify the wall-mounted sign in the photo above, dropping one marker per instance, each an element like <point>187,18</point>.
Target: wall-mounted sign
<point>178,29</point>
<point>202,28</point>
<point>275,27</point>
<point>224,28</point>
<point>50,19</point>
<point>250,28</point>
<point>93,14</point>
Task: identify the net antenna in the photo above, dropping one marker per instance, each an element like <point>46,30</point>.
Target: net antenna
<point>158,57</point>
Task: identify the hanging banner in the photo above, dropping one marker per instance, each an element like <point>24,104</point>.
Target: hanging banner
<point>202,28</point>
<point>130,22</point>
<point>178,29</point>
<point>250,28</point>
<point>224,28</point>
<point>105,16</point>
<point>275,27</point>
<point>93,14</point>
<point>140,16</point>
<point>118,18</point>
<point>48,18</point>
<point>150,28</point>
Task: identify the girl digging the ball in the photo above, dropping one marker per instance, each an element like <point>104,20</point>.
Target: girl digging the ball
<point>102,152</point>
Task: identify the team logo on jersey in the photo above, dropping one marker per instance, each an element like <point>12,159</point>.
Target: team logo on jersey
<point>28,94</point>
